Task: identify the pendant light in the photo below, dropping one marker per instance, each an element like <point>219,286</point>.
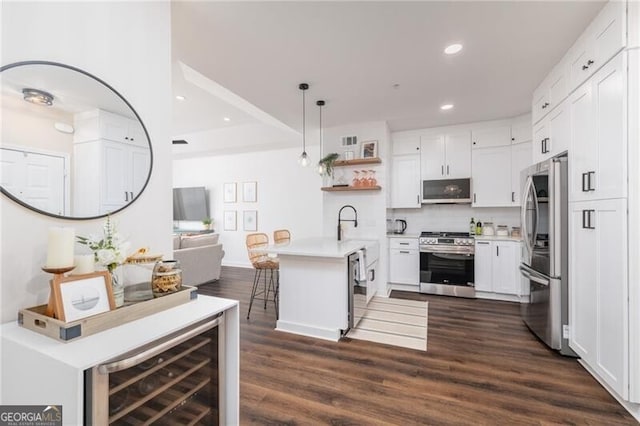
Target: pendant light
<point>304,157</point>
<point>321,168</point>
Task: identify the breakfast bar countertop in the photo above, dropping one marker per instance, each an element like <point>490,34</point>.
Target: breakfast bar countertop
<point>319,247</point>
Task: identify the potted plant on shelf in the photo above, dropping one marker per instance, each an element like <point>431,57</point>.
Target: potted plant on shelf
<point>326,166</point>
<point>207,221</point>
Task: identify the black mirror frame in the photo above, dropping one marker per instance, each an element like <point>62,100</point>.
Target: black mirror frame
<point>57,64</point>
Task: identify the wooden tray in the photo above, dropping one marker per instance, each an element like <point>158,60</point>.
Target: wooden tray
<point>35,319</point>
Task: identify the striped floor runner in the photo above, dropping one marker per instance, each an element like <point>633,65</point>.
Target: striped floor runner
<point>396,322</point>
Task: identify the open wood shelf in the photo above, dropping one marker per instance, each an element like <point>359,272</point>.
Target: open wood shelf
<point>356,162</point>
<point>350,188</point>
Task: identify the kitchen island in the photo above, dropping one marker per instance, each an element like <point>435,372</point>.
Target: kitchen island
<point>314,286</point>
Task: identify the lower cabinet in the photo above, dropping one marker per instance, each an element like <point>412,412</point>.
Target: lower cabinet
<point>496,267</point>
<point>404,261</point>
<point>598,289</point>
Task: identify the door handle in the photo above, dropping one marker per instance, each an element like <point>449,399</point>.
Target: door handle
<point>589,187</point>
<point>405,252</point>
<point>589,217</point>
<point>447,170</point>
<point>513,197</point>
<point>482,242</point>
<point>404,244</point>
<point>442,170</point>
<point>372,274</point>
<point>584,219</point>
<point>474,197</point>
<point>585,184</point>
<point>497,250</point>
<point>126,196</point>
<point>418,199</point>
<point>533,277</point>
<point>542,146</point>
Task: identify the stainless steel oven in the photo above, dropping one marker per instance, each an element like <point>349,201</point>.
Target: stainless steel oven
<point>447,264</point>
<point>175,380</point>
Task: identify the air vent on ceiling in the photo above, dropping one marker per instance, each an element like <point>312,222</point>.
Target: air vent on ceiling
<point>180,142</point>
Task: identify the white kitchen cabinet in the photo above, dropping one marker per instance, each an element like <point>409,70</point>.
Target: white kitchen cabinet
<point>490,137</point>
<point>110,175</point>
<point>603,39</point>
<point>598,289</point>
<point>521,132</point>
<point>521,158</point>
<point>482,265</point>
<point>551,136</point>
<point>550,93</point>
<point>492,177</point>
<point>403,145</point>
<point>598,166</point>
<point>446,156</point>
<point>100,124</point>
<point>496,266</point>
<point>404,261</point>
<point>405,181</point>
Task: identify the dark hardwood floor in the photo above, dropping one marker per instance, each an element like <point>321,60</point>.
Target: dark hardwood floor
<point>482,366</point>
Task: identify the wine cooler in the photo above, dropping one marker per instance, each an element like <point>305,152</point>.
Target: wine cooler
<point>172,381</point>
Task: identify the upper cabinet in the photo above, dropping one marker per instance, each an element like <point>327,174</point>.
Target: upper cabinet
<point>406,145</point>
<point>405,173</point>
<point>99,124</point>
<point>491,136</point>
<point>551,135</point>
<point>446,156</point>
<point>521,132</point>
<point>550,93</point>
<point>605,37</point>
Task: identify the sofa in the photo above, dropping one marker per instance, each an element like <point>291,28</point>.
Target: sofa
<point>200,256</point>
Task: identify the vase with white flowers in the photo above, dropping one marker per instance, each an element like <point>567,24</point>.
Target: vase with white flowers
<point>110,251</point>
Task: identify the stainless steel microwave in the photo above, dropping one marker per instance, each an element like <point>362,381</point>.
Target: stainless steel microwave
<point>446,191</point>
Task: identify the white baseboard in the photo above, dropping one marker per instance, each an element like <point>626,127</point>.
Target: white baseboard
<point>405,287</point>
<point>305,330</point>
<point>237,264</point>
<point>497,296</point>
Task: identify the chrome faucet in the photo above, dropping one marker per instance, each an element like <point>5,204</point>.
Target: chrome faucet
<point>355,221</point>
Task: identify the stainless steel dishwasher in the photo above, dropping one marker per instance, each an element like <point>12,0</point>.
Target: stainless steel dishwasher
<point>172,381</point>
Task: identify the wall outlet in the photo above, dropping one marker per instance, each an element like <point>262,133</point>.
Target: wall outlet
<point>566,331</point>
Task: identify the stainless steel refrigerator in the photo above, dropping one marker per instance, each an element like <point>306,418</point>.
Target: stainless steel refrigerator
<point>544,263</point>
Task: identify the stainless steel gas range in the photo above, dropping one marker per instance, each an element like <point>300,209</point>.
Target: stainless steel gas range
<point>446,263</point>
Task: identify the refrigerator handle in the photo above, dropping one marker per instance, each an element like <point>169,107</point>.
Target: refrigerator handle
<point>533,276</point>
<point>523,215</point>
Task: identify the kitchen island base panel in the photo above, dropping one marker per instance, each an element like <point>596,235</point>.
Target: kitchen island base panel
<point>308,330</point>
<point>313,296</point>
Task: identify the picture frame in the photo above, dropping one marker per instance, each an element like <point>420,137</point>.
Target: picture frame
<point>230,220</point>
<point>369,149</point>
<point>229,192</point>
<point>80,296</point>
<point>250,192</point>
<point>250,220</point>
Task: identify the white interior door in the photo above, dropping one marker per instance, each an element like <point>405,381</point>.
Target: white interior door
<point>37,179</point>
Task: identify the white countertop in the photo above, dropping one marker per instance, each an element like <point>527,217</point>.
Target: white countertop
<point>95,349</point>
<point>497,238</point>
<point>403,235</point>
<point>319,247</point>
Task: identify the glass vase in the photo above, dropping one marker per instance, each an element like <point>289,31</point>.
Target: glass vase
<point>117,284</point>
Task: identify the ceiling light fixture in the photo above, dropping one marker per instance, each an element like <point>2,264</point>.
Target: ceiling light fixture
<point>38,97</point>
<point>321,168</point>
<point>227,119</point>
<point>180,97</point>
<point>446,107</point>
<point>304,157</point>
<point>453,49</point>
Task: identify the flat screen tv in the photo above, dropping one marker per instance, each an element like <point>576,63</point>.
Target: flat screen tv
<point>190,203</point>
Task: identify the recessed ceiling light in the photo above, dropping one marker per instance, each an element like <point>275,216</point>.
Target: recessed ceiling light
<point>453,49</point>
<point>180,97</point>
<point>446,107</point>
<point>227,119</point>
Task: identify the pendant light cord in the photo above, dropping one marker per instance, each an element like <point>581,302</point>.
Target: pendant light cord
<point>320,104</point>
<point>304,146</point>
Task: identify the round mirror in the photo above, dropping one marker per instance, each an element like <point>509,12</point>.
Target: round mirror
<point>72,147</point>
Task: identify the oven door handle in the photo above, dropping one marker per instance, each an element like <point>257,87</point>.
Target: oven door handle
<point>156,349</point>
<point>534,276</point>
<point>436,251</point>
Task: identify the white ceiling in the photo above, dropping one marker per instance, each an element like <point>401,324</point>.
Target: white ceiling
<point>249,57</point>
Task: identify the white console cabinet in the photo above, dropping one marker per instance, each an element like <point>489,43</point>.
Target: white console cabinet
<point>496,268</point>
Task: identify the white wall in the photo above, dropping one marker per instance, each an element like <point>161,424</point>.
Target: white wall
<point>371,205</point>
<point>289,195</point>
<point>127,45</point>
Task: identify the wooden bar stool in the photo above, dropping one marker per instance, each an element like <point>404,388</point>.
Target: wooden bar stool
<point>264,265</point>
<point>281,236</point>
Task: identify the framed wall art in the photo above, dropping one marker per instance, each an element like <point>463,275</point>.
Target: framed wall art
<point>250,192</point>
<point>230,220</point>
<point>369,149</point>
<point>250,220</point>
<point>229,190</point>
<point>81,296</point>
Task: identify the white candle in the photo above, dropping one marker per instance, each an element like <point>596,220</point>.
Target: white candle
<point>60,248</point>
<point>84,263</point>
